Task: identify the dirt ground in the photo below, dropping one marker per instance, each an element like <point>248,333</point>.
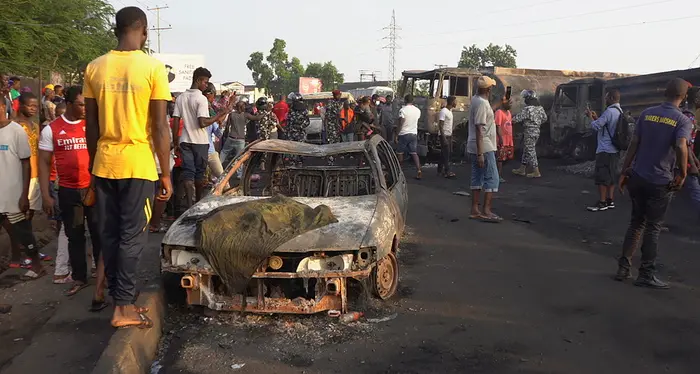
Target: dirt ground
<point>27,314</point>
<point>533,294</point>
<point>47,329</point>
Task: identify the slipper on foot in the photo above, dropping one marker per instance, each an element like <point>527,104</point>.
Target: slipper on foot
<point>144,323</point>
<point>493,218</point>
<point>98,305</point>
<point>77,287</point>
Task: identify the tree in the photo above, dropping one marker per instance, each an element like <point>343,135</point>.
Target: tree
<point>327,73</point>
<point>493,55</point>
<point>38,35</point>
<point>422,89</point>
<point>279,74</point>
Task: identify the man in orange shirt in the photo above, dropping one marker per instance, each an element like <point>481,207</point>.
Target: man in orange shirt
<point>347,128</point>
<point>126,94</point>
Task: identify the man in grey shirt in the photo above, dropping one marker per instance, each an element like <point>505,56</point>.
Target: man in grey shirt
<point>386,118</point>
<point>236,129</point>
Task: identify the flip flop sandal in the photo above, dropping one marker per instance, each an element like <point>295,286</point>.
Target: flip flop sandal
<point>75,289</point>
<point>65,280</point>
<point>419,176</point>
<point>98,305</point>
<point>450,175</point>
<point>476,216</point>
<point>31,275</point>
<point>145,323</point>
<point>142,310</point>
<point>491,219</point>
<point>45,257</point>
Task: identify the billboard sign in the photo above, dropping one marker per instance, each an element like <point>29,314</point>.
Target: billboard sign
<point>310,85</point>
<point>180,69</point>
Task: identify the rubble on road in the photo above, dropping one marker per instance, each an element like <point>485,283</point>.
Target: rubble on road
<point>585,169</point>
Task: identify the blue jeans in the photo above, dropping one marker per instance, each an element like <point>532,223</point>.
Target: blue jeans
<point>347,137</point>
<point>485,178</point>
<point>232,148</point>
<point>692,184</point>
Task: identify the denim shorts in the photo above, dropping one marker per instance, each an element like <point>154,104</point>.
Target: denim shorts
<point>408,143</point>
<point>485,178</point>
<point>194,161</point>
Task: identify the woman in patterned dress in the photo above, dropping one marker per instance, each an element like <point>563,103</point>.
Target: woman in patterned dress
<point>532,117</point>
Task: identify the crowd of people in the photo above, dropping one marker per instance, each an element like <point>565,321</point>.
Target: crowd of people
<point>660,160</point>
<point>103,158</point>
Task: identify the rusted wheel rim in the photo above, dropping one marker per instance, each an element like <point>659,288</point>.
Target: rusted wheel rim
<point>387,276</point>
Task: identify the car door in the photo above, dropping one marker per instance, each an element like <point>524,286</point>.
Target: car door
<point>395,180</point>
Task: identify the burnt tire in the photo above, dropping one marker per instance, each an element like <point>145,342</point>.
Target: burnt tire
<point>384,279</point>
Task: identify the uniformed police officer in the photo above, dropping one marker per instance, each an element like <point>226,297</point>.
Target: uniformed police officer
<point>659,151</point>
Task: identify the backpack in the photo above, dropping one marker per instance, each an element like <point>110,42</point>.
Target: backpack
<point>623,131</point>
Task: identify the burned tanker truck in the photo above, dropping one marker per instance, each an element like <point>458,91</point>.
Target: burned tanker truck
<point>432,87</point>
<point>564,94</point>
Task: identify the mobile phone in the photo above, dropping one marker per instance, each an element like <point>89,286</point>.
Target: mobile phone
<point>509,91</point>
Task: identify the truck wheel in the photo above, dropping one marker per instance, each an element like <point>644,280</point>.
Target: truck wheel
<point>582,148</point>
<point>385,277</point>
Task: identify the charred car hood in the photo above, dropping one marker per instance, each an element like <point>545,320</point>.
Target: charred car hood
<point>354,216</point>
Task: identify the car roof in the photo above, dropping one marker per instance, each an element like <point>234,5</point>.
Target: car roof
<point>306,149</point>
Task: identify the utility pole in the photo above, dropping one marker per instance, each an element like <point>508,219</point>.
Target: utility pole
<point>158,29</point>
<point>392,47</point>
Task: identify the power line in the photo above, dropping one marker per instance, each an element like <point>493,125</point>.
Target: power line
<point>158,29</point>
<point>577,15</point>
<point>157,13</point>
<point>580,30</point>
<point>392,47</point>
<point>693,63</point>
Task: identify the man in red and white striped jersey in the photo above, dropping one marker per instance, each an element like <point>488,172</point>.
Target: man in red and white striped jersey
<point>64,140</point>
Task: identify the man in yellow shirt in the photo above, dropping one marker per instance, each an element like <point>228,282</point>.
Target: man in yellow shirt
<point>126,94</point>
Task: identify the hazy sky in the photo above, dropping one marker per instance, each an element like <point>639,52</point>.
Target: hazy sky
<point>629,36</point>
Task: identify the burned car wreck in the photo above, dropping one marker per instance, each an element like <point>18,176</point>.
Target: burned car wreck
<point>360,182</point>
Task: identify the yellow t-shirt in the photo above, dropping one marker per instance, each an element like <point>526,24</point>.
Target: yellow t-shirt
<point>123,83</point>
<point>32,130</point>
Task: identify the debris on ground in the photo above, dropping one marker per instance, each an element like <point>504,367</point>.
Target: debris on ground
<point>383,319</point>
<point>237,366</point>
<point>155,367</point>
<point>585,169</point>
<point>351,317</point>
<point>461,193</point>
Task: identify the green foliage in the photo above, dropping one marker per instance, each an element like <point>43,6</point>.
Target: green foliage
<point>422,89</point>
<point>493,55</point>
<point>279,74</point>
<point>64,38</point>
<point>327,73</point>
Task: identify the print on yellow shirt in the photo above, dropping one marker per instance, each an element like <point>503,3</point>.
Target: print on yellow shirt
<point>32,130</point>
<point>123,84</point>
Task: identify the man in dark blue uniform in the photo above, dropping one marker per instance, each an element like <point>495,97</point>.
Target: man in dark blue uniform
<point>659,151</point>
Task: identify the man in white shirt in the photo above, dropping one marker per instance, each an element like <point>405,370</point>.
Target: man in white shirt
<point>192,108</point>
<point>14,189</point>
<point>408,132</point>
<point>445,126</point>
<point>481,146</point>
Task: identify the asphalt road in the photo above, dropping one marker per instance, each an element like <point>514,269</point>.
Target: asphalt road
<point>533,294</point>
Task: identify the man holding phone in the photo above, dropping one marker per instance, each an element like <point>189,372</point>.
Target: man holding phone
<point>606,154</point>
<point>659,146</point>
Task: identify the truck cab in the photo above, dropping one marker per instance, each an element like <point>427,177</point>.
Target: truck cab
<point>569,127</point>
<point>431,89</point>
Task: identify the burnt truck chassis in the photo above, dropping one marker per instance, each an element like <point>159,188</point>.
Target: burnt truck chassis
<point>203,287</point>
